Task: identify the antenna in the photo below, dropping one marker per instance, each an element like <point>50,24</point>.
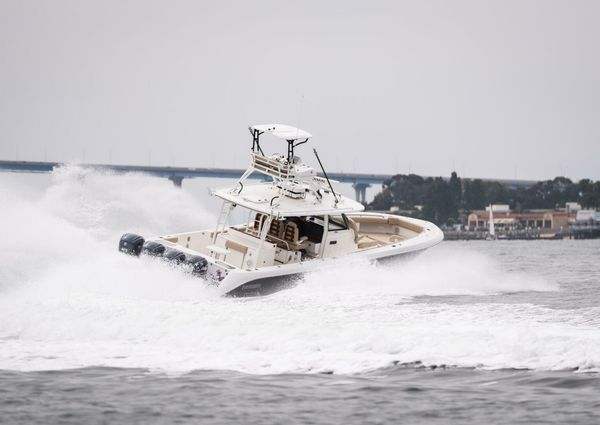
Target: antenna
<point>325,174</point>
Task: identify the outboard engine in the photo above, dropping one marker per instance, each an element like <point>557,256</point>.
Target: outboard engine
<point>154,249</point>
<point>174,255</point>
<point>131,244</point>
<point>198,265</point>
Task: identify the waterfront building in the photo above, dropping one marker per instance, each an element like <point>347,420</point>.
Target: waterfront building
<point>506,220</point>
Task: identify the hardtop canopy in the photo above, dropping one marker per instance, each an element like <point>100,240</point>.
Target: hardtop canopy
<point>282,131</point>
<point>265,198</point>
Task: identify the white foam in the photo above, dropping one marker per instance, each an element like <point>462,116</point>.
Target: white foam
<point>68,299</point>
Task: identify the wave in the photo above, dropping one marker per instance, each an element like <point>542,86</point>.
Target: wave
<point>69,299</point>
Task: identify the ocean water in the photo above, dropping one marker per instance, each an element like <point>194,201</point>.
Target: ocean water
<point>468,332</point>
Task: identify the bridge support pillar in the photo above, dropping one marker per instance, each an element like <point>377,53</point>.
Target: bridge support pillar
<point>177,180</point>
<point>360,191</point>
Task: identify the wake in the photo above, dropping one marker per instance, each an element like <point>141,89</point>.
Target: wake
<point>69,299</point>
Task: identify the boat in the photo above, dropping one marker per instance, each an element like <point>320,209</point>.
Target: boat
<point>296,223</point>
<point>491,231</point>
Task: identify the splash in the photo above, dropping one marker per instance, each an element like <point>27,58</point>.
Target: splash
<point>68,299</point>
<point>79,217</point>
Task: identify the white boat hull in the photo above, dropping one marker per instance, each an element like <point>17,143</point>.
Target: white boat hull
<point>267,280</point>
<point>236,281</point>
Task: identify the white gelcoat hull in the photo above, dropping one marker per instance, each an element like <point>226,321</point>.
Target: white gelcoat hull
<point>248,282</point>
<point>237,278</point>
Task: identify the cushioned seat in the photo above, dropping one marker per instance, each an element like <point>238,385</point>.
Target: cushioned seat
<point>291,236</point>
<point>259,219</point>
<point>367,242</point>
<point>275,229</point>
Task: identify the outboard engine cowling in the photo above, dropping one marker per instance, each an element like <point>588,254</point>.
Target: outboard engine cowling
<point>131,244</point>
<point>174,256</point>
<point>198,265</point>
<point>153,248</point>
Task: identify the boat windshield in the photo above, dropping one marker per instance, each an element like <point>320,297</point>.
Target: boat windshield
<point>335,223</point>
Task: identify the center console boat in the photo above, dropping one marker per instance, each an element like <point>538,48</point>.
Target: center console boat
<point>296,223</point>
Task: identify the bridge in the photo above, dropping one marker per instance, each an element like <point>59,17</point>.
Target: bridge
<point>360,181</point>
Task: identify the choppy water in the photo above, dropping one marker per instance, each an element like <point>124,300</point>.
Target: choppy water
<point>503,332</point>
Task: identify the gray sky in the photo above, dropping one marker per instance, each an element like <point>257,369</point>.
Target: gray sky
<point>491,89</point>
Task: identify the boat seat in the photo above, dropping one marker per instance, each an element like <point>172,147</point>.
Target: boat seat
<point>397,221</point>
<point>259,219</point>
<point>367,242</point>
<point>378,239</point>
<point>362,241</point>
<point>271,166</point>
<point>291,236</point>
<point>275,229</point>
<point>372,220</point>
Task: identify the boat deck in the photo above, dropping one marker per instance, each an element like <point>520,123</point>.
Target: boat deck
<point>376,231</point>
<point>375,240</point>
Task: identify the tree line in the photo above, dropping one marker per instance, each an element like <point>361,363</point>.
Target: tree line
<point>443,201</point>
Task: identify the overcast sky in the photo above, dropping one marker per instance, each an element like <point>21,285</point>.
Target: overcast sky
<point>490,89</point>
